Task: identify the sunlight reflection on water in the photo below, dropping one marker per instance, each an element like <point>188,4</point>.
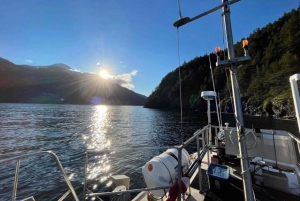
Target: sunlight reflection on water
<point>97,139</point>
<point>98,168</point>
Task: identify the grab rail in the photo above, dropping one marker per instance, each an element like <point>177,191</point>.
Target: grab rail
<point>56,159</point>
<point>297,139</point>
<point>195,136</point>
<point>129,191</point>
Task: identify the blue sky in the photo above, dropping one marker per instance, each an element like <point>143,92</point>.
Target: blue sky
<point>132,39</point>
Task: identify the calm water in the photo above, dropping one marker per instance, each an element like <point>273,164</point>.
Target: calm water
<point>69,130</point>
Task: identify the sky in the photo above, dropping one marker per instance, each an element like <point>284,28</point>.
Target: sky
<point>133,40</point>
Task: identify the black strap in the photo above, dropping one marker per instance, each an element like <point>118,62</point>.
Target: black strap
<point>171,154</point>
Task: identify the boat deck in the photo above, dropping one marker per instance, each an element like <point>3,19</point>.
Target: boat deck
<point>234,189</point>
<point>195,196</point>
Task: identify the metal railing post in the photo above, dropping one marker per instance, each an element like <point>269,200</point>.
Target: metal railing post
<point>56,159</point>
<point>179,172</point>
<point>199,167</point>
<point>85,172</point>
<point>62,171</point>
<point>14,195</point>
<point>207,143</point>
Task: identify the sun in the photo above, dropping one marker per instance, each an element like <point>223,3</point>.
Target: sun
<point>104,74</point>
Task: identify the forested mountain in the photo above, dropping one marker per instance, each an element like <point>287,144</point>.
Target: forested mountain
<point>264,81</point>
<point>60,83</point>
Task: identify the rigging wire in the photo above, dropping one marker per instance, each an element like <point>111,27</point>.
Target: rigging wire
<point>220,111</point>
<point>238,88</point>
<point>179,82</point>
<point>213,81</point>
<point>230,94</point>
<point>178,49</point>
<point>223,36</point>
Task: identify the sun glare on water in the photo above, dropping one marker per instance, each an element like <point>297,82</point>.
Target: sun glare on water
<point>104,74</point>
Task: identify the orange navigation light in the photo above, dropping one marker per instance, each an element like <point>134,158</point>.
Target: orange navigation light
<point>218,50</point>
<point>245,44</point>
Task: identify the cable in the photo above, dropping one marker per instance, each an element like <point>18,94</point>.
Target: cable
<point>230,96</point>
<point>220,110</point>
<point>178,45</point>
<point>213,81</point>
<point>222,22</point>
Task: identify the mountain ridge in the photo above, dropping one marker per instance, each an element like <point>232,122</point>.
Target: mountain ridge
<point>59,83</point>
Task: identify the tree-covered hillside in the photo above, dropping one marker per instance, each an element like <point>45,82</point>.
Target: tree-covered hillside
<point>264,81</point>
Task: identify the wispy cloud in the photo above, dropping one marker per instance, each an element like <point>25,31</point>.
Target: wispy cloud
<point>125,79</point>
<point>121,62</point>
<point>134,73</point>
<point>28,60</point>
<point>98,64</point>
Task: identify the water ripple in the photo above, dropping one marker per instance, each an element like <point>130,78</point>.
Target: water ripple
<point>69,130</point>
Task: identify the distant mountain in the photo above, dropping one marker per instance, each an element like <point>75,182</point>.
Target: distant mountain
<point>263,82</point>
<point>59,83</point>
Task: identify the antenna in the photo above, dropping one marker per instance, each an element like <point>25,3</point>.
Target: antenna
<point>208,96</point>
<point>179,10</point>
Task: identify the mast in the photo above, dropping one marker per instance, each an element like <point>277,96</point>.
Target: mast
<point>233,69</point>
<point>247,180</point>
<point>232,64</point>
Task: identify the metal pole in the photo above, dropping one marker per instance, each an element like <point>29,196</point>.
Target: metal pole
<point>296,98</point>
<point>14,195</point>
<point>85,173</point>
<point>247,181</point>
<point>62,171</point>
<point>199,167</point>
<point>127,191</point>
<point>179,173</point>
<point>209,130</point>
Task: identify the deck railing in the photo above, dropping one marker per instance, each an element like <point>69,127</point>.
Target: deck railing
<point>56,159</point>
<point>201,134</point>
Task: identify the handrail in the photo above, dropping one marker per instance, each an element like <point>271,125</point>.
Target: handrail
<point>188,141</point>
<point>197,133</point>
<point>297,139</point>
<point>129,149</point>
<point>128,191</point>
<point>56,159</point>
